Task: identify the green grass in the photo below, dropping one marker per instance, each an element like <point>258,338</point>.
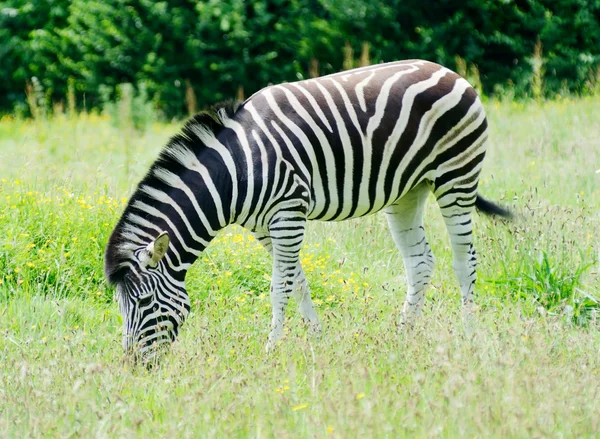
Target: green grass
<point>529,366</point>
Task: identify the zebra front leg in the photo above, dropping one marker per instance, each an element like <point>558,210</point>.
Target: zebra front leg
<point>305,305</point>
<point>288,279</point>
<point>405,220</point>
<point>281,289</point>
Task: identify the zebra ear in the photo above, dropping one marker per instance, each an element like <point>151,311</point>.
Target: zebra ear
<point>157,248</point>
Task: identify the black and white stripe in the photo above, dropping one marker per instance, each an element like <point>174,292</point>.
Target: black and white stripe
<point>332,148</point>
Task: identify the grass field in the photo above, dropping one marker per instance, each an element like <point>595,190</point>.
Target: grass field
<point>529,366</point>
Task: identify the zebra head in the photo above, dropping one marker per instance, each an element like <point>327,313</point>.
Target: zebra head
<point>153,305</point>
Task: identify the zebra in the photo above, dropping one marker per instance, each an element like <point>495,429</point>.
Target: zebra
<point>346,145</point>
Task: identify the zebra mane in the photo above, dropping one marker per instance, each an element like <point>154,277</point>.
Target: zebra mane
<point>191,139</point>
<point>211,118</point>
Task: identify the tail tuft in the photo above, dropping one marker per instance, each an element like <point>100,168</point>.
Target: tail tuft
<point>489,208</point>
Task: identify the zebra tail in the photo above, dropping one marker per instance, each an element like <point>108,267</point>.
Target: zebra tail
<point>489,208</point>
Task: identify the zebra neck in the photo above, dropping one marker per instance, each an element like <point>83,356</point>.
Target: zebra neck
<point>190,198</point>
<point>200,210</point>
<point>202,183</point>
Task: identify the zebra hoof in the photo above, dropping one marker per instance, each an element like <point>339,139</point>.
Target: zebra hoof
<point>315,329</point>
<point>274,337</point>
<point>270,347</point>
<point>469,320</point>
<point>407,321</point>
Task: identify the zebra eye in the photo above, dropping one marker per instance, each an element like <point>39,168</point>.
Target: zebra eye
<point>145,300</point>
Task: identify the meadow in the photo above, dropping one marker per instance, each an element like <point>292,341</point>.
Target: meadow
<point>529,366</point>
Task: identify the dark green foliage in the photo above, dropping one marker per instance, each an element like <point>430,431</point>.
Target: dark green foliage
<point>20,23</point>
<point>523,47</point>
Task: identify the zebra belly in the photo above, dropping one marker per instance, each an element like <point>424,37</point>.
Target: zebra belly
<point>354,207</point>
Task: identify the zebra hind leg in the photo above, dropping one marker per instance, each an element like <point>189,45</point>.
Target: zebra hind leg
<point>457,209</point>
<point>287,235</point>
<point>405,220</point>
